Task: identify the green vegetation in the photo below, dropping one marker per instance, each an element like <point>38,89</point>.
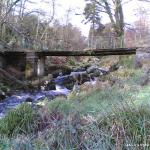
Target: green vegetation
<point>115,117</point>
<point>72,61</point>
<point>127,61</point>
<point>18,121</point>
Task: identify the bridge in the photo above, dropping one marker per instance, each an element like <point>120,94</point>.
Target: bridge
<point>87,52</point>
<point>30,54</point>
<point>33,61</point>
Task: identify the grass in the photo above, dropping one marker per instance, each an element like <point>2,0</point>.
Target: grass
<point>17,121</point>
<point>127,61</point>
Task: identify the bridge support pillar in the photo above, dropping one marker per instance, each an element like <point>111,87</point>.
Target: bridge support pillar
<point>31,65</point>
<point>41,66</point>
<point>2,62</point>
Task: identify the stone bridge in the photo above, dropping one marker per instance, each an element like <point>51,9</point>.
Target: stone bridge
<point>33,62</point>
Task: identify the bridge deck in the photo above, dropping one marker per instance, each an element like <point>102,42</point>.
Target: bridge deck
<point>89,52</point>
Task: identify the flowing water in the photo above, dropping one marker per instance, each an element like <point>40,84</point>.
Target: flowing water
<point>22,96</point>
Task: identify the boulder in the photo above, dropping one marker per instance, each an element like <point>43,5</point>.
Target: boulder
<point>145,80</point>
<point>56,69</point>
<point>91,69</point>
<point>142,57</point>
<point>29,99</point>
<point>97,71</point>
<point>2,95</point>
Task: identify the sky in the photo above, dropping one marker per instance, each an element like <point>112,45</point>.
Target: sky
<point>128,8</point>
<point>77,7</point>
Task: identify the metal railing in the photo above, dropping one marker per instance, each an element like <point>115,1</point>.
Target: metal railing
<point>22,42</point>
<point>95,42</point>
<point>136,40</point>
<point>99,42</point>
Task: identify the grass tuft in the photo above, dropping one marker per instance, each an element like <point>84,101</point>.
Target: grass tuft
<point>18,121</point>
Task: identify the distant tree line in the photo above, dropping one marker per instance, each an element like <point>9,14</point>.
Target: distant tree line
<point>34,28</point>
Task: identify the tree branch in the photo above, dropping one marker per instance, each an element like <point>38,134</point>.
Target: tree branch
<point>9,10</point>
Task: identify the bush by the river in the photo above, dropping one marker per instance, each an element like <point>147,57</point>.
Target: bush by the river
<point>18,121</point>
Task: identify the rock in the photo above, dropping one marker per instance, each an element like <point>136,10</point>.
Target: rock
<point>56,69</point>
<point>61,80</point>
<point>142,57</point>
<point>103,71</point>
<point>81,69</point>
<point>50,85</point>
<point>91,69</point>
<point>44,81</point>
<point>29,99</point>
<point>56,73</point>
<point>145,80</point>
<point>80,77</point>
<point>97,71</point>
<point>10,93</point>
<point>114,67</point>
<point>2,95</point>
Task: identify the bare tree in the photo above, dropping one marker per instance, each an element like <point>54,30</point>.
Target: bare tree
<point>113,8</point>
<point>16,18</point>
<point>6,8</point>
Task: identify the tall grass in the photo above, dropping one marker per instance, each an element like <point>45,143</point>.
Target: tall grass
<point>18,121</point>
<point>126,127</point>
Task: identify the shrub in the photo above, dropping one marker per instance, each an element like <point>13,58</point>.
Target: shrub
<point>72,61</point>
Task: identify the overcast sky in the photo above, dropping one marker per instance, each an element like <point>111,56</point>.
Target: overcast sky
<point>77,6</point>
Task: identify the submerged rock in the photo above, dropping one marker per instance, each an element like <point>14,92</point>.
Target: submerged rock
<point>29,99</point>
<point>2,95</point>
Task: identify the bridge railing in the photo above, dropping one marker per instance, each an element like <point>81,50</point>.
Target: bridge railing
<point>61,44</point>
<point>23,42</point>
<point>105,42</point>
<point>34,44</point>
<point>95,42</point>
<point>111,41</point>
